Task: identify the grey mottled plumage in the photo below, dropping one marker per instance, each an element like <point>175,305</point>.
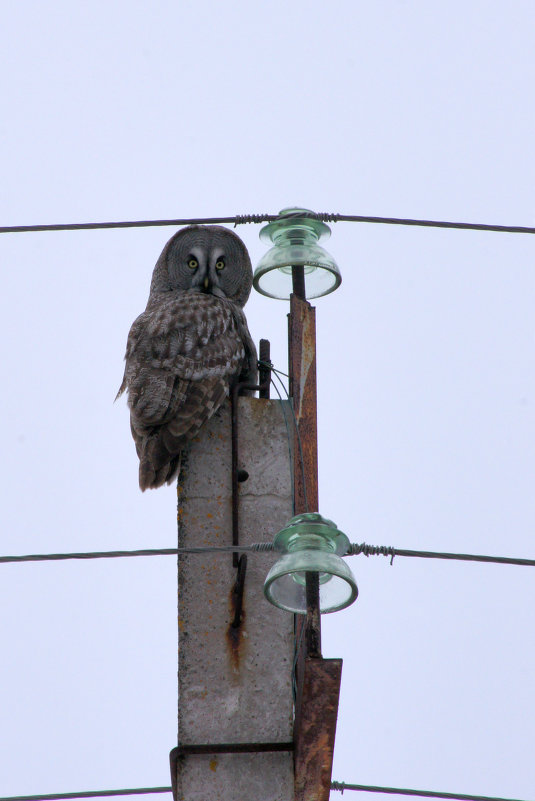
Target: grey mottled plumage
<point>188,347</point>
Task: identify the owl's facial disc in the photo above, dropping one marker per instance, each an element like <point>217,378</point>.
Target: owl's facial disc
<point>204,270</point>
<point>216,268</point>
<point>197,268</point>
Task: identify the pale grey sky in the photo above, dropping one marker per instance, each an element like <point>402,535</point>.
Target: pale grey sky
<point>425,363</point>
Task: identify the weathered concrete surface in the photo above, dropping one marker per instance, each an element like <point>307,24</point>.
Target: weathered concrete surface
<point>235,686</point>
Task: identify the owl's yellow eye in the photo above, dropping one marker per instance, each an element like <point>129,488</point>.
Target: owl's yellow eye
<point>220,264</point>
<point>193,264</point>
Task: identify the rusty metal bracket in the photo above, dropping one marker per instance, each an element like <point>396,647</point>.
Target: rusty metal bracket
<point>240,475</point>
<point>317,679</point>
<point>315,727</point>
<point>302,369</point>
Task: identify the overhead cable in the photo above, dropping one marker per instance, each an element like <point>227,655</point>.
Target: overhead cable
<point>59,557</point>
<point>241,219</point>
<point>88,794</point>
<point>264,547</point>
<point>387,550</point>
<point>341,786</point>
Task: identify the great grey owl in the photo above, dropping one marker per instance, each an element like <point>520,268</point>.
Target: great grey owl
<point>189,347</point>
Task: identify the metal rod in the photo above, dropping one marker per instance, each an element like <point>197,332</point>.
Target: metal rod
<point>298,281</point>
<point>313,618</point>
<point>238,591</point>
<point>234,469</point>
<point>264,372</point>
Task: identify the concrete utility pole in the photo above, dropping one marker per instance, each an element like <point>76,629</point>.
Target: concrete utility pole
<point>235,699</point>
<point>257,702</point>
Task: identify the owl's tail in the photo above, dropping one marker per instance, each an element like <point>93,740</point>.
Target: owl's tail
<point>159,447</point>
<point>151,476</point>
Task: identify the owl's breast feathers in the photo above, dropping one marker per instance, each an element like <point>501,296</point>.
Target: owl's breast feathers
<point>182,355</point>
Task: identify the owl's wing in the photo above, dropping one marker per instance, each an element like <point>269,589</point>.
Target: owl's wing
<point>159,447</point>
<point>181,357</point>
<point>249,368</point>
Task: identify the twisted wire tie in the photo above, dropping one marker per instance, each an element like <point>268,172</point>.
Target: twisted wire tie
<point>262,547</point>
<point>326,217</point>
<point>329,217</point>
<point>311,215</point>
<point>271,367</point>
<point>257,547</point>
<point>338,786</point>
<point>241,219</point>
<point>371,550</point>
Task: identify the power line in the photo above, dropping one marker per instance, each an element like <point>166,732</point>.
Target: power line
<point>57,557</point>
<point>241,219</point>
<point>386,550</point>
<point>265,547</point>
<point>88,794</point>
<point>341,786</point>
<point>237,220</point>
<point>22,229</point>
<point>506,229</point>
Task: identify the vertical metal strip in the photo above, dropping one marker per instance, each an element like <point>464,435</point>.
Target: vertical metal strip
<point>317,679</point>
<point>302,370</point>
<point>264,371</point>
<point>316,729</point>
<point>302,364</point>
<point>234,470</point>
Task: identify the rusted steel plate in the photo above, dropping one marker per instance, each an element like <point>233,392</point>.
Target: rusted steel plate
<point>302,370</point>
<point>315,728</point>
<point>318,680</point>
<point>302,363</point>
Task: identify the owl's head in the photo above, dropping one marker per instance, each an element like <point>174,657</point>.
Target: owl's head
<point>204,258</point>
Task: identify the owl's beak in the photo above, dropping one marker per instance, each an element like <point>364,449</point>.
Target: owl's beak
<point>206,283</point>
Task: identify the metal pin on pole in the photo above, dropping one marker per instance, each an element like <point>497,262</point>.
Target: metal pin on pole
<point>298,281</point>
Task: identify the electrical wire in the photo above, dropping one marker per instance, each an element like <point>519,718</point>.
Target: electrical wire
<point>22,229</point>
<point>241,219</point>
<point>52,557</point>
<point>341,786</point>
<point>273,369</point>
<point>385,550</point>
<point>265,547</point>
<point>88,794</point>
<point>506,229</point>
